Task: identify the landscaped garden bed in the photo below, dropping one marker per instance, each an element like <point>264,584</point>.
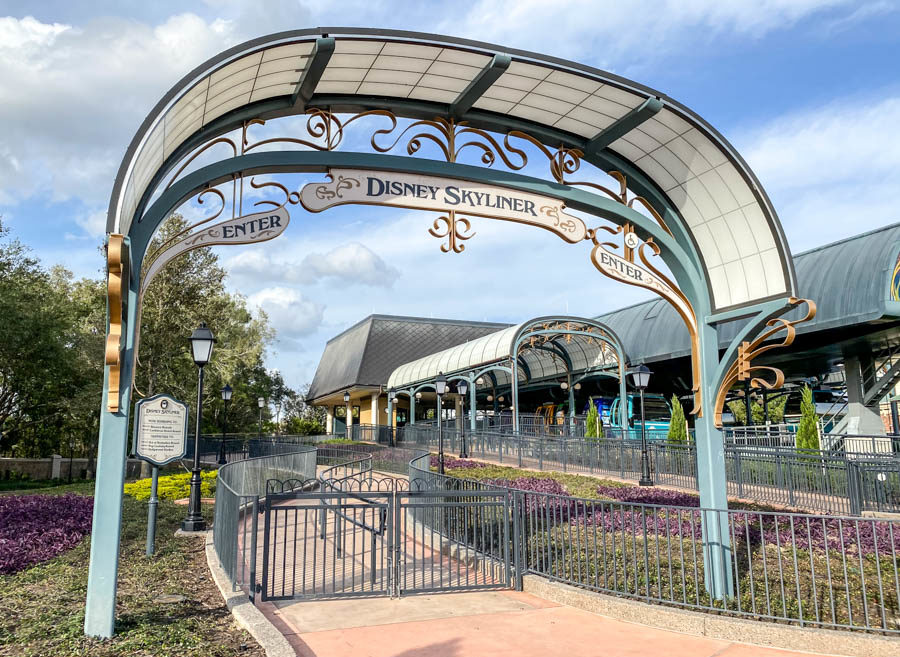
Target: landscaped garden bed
<point>173,487</point>
<point>36,528</point>
<point>42,607</point>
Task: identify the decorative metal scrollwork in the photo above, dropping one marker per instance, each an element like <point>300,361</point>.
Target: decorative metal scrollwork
<point>455,236</point>
<point>742,368</point>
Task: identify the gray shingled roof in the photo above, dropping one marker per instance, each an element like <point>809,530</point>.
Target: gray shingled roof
<point>366,353</point>
<point>849,281</point>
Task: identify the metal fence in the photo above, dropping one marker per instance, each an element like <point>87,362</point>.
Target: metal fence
<point>785,436</point>
<point>831,571</point>
<point>819,571</point>
<point>814,481</point>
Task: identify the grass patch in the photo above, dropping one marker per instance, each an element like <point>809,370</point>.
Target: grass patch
<point>577,485</point>
<point>42,608</point>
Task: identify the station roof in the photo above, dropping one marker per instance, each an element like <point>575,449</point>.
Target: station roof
<point>366,353</point>
<point>559,344</point>
<point>616,122</point>
<point>849,280</point>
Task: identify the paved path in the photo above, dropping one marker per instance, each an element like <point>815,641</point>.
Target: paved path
<point>481,624</point>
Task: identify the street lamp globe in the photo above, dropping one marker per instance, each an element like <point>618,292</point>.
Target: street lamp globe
<point>392,394</point>
<point>640,376</point>
<point>564,385</point>
<point>346,397</point>
<point>462,387</point>
<point>227,392</point>
<point>418,395</point>
<point>261,401</point>
<point>440,383</point>
<point>202,341</point>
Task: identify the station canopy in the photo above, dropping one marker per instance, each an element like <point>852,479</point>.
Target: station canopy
<point>617,123</point>
<point>547,348</point>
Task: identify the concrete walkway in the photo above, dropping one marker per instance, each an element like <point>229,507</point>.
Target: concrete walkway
<point>480,624</point>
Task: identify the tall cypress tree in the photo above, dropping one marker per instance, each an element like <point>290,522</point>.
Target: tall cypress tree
<point>677,427</point>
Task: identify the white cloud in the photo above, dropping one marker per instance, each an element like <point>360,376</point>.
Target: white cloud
<point>623,32</point>
<point>831,171</point>
<point>292,315</point>
<point>348,264</point>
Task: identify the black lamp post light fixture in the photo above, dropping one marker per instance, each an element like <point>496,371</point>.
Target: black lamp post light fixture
<point>462,387</point>
<point>261,402</point>
<point>202,341</point>
<point>226,397</point>
<point>640,377</point>
<point>440,387</point>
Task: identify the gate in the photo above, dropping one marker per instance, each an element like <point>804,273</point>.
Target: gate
<point>373,537</point>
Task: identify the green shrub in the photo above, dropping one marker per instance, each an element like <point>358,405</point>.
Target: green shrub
<point>593,427</point>
<point>807,432</point>
<point>678,426</point>
<point>173,487</point>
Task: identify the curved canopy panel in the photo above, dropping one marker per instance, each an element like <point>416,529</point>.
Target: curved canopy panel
<point>546,347</point>
<point>613,120</point>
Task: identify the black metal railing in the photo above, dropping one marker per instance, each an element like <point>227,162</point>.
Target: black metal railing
<point>819,571</point>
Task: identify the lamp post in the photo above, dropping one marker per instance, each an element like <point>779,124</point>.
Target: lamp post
<point>440,387</point>
<point>640,376</point>
<point>261,402</point>
<point>226,397</point>
<point>462,387</point>
<point>392,400</point>
<point>202,341</point>
<point>348,416</point>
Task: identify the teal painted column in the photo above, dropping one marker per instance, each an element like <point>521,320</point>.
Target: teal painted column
<point>112,454</point>
<point>711,477</point>
<point>571,404</point>
<point>473,402</point>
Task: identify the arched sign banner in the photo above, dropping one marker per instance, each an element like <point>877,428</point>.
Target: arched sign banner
<point>422,192</point>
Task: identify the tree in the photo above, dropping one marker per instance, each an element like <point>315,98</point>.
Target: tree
<point>678,426</point>
<point>775,405</point>
<point>808,431</point>
<point>188,290</point>
<point>593,427</point>
<point>38,352</point>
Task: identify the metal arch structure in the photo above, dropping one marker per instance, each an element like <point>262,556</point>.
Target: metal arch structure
<point>503,352</point>
<point>685,196</point>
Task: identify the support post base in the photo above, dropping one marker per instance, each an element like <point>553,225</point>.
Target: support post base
<point>192,525</point>
<point>646,482</point>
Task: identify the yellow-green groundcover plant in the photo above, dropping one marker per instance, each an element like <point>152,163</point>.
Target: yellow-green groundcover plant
<point>173,487</point>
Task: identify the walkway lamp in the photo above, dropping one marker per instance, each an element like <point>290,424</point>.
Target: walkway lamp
<point>392,402</point>
<point>640,377</point>
<point>462,387</point>
<point>261,402</point>
<point>202,341</point>
<point>440,387</point>
<point>226,397</point>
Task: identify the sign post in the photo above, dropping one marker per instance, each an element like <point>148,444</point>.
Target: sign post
<point>160,437</point>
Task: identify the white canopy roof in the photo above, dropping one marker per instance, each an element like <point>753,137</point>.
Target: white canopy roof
<point>724,209</point>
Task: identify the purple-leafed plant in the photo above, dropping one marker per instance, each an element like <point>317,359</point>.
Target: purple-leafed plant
<point>35,528</point>
<point>452,463</point>
<point>648,495</point>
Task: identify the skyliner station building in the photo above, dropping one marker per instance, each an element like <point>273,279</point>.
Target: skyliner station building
<point>849,353</point>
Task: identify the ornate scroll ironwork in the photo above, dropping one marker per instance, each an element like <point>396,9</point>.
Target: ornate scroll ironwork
<point>743,368</point>
<point>455,236</point>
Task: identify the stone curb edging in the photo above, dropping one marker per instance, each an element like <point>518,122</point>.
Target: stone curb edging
<point>245,613</point>
<point>725,628</point>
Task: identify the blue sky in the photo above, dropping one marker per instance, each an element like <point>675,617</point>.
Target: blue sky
<point>808,91</point>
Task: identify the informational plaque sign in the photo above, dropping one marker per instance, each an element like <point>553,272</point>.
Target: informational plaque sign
<point>160,429</point>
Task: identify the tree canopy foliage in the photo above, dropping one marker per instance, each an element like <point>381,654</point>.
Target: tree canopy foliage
<point>52,343</point>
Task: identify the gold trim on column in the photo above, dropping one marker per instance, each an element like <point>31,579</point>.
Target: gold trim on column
<point>117,268</point>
